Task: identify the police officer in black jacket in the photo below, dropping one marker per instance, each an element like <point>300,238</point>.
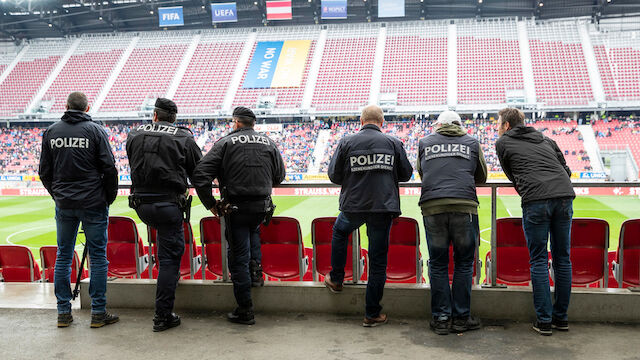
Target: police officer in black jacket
<point>162,156</point>
<point>369,166</point>
<point>247,166</point>
<point>77,167</point>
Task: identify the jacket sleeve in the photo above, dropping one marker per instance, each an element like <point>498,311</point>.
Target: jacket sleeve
<point>560,157</point>
<point>280,170</point>
<point>107,165</point>
<point>504,161</point>
<point>193,156</point>
<point>46,164</point>
<point>405,170</point>
<point>480,175</point>
<point>336,170</point>
<point>207,170</point>
<point>418,159</point>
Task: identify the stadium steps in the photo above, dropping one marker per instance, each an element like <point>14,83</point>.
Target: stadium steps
<point>591,147</point>
<point>314,69</point>
<point>243,61</point>
<point>320,148</point>
<point>592,66</point>
<point>376,74</point>
<point>527,67</point>
<point>452,66</point>
<point>114,75</point>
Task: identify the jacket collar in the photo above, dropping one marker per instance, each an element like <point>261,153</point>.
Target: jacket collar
<point>372,127</point>
<point>241,129</point>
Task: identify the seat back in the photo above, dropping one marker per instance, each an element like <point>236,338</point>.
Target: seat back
<point>628,254</point>
<point>512,255</point>
<point>17,264</point>
<point>124,247</point>
<point>404,258</point>
<point>211,239</point>
<point>48,256</point>
<point>452,263</point>
<point>282,248</point>
<point>190,249</point>
<point>321,236</point>
<point>589,251</point>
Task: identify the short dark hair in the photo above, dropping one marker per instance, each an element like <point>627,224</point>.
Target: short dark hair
<point>77,101</point>
<point>513,116</point>
<point>164,115</point>
<point>245,120</point>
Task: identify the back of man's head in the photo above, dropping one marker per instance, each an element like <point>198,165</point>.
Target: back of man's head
<point>513,116</point>
<point>77,101</point>
<point>244,116</point>
<point>165,110</point>
<point>449,118</point>
<point>372,114</point>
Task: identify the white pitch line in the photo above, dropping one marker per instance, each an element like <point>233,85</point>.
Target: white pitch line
<point>8,239</point>
<point>483,230</point>
<point>509,212</point>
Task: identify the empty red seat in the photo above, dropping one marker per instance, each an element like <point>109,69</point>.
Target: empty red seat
<point>282,249</point>
<point>48,260</point>
<point>321,235</point>
<point>17,264</point>
<point>626,266</point>
<point>589,252</point>
<point>125,251</point>
<point>512,256</point>
<point>211,239</point>
<point>404,261</point>
<point>191,260</point>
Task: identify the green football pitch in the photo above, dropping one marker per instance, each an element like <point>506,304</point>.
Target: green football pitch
<point>30,220</point>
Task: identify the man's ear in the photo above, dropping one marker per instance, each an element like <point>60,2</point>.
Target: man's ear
<point>88,108</point>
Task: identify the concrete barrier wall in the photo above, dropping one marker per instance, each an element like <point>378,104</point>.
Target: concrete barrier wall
<point>400,300</point>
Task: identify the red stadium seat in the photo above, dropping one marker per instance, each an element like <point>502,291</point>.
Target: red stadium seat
<point>404,261</point>
<point>321,235</point>
<point>125,252</point>
<point>48,260</point>
<point>282,249</point>
<point>512,258</point>
<point>626,265</point>
<point>17,264</point>
<point>613,283</point>
<point>190,262</point>
<point>210,237</point>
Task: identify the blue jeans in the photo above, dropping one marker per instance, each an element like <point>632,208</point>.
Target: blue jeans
<point>241,227</point>
<point>539,218</point>
<point>94,222</point>
<point>256,250</point>
<point>378,227</point>
<point>461,230</point>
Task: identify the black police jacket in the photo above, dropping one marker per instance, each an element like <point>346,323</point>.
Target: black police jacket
<point>76,163</point>
<point>369,166</point>
<point>247,166</point>
<point>161,157</point>
<point>534,164</point>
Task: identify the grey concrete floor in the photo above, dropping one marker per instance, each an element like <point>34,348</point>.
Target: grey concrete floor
<point>32,334</point>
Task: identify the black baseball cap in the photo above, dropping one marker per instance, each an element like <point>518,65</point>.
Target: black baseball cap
<point>166,105</point>
<point>244,112</point>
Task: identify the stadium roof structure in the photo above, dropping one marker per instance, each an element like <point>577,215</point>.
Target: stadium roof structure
<point>28,19</point>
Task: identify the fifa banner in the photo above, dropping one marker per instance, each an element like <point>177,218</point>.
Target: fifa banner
<point>171,16</point>
<point>334,9</point>
<point>279,10</point>
<point>224,12</point>
<point>390,8</point>
<point>277,64</point>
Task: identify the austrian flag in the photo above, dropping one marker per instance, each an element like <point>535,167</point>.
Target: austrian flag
<point>279,10</point>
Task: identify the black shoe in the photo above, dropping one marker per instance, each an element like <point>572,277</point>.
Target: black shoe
<point>241,317</point>
<point>543,328</point>
<point>165,322</point>
<point>105,318</point>
<point>440,327</point>
<point>465,324</point>
<point>64,320</point>
<point>562,325</point>
<point>255,269</point>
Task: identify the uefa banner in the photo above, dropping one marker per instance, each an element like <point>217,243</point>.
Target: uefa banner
<point>277,64</point>
<point>224,12</point>
<point>334,9</point>
<point>170,16</point>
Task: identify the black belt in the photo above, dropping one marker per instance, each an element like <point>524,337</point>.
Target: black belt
<point>154,198</point>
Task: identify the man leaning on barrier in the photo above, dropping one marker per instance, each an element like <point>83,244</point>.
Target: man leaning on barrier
<point>450,163</point>
<point>369,166</point>
<point>535,165</point>
<point>247,166</point>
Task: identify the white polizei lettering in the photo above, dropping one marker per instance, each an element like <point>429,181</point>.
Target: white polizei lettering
<point>158,128</point>
<point>245,139</point>
<point>371,162</point>
<point>73,142</point>
<point>447,150</point>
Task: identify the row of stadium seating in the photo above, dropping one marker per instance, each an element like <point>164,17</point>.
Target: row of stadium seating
<point>414,67</point>
<point>284,257</point>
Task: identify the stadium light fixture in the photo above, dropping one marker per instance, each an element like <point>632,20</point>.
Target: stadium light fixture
<point>151,12</point>
<point>541,4</point>
<point>100,18</point>
<point>50,25</point>
<point>479,1</point>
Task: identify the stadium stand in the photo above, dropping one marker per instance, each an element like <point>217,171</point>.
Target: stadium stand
<point>191,259</point>
<point>512,255</point>
<point>210,238</point>
<point>616,55</point>
<point>589,252</point>
<point>282,250</point>
<point>48,262</point>
<point>404,261</point>
<point>126,254</point>
<point>321,236</point>
<point>627,259</point>
<point>17,264</point>
<point>619,134</point>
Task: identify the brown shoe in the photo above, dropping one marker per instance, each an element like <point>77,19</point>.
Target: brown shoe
<point>335,288</point>
<point>381,319</point>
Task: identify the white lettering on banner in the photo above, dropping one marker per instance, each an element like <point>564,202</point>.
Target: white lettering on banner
<point>223,12</point>
<point>446,150</point>
<point>253,139</point>
<point>158,128</point>
<point>268,127</point>
<point>582,190</point>
<point>170,16</point>
<point>371,162</point>
<point>316,191</point>
<point>72,142</point>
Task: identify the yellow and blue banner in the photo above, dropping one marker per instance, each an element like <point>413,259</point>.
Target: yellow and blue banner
<point>277,64</point>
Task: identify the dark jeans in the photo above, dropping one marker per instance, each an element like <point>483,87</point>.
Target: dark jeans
<point>539,218</point>
<point>461,230</point>
<point>94,223</point>
<point>167,219</point>
<point>256,251</point>
<point>242,229</point>
<point>378,227</point>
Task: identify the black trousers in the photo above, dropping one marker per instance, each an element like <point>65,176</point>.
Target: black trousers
<point>242,226</point>
<point>167,219</point>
